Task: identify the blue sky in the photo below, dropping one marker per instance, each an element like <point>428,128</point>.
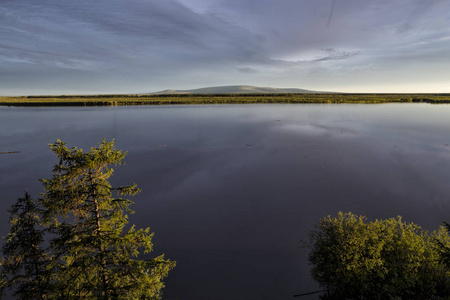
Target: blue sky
<point>138,46</point>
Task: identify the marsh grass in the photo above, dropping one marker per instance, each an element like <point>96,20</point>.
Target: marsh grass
<point>116,100</point>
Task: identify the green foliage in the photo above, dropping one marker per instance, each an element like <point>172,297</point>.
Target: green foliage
<point>385,259</point>
<point>25,264</point>
<point>444,247</point>
<point>90,253</point>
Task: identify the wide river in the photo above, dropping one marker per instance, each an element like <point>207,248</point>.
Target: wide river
<point>231,191</point>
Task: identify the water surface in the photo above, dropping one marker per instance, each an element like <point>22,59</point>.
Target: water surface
<point>231,190</point>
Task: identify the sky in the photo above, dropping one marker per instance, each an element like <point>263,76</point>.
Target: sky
<point>141,46</point>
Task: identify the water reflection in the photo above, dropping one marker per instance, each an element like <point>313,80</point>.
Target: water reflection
<point>237,187</point>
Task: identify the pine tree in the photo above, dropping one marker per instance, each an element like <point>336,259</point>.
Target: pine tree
<point>25,263</point>
<point>97,258</point>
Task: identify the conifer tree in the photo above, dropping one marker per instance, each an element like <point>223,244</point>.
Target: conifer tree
<point>90,252</point>
<point>25,263</point>
<point>96,258</point>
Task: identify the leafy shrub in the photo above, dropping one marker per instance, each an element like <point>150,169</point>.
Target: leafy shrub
<point>385,259</point>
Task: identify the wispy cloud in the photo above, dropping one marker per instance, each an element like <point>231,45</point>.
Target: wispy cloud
<point>332,54</point>
<point>213,42</point>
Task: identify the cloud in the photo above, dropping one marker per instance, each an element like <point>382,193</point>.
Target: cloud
<point>247,70</point>
<point>332,54</point>
<point>118,31</point>
<point>204,42</point>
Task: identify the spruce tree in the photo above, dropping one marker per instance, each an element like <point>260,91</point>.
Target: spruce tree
<point>25,265</point>
<point>96,257</point>
<point>90,251</point>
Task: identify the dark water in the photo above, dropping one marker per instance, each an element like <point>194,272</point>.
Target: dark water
<point>235,188</point>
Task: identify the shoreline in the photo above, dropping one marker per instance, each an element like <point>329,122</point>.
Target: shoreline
<point>173,99</point>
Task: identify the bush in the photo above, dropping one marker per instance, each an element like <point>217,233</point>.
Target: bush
<point>385,259</point>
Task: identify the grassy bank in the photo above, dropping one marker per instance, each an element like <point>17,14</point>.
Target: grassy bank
<point>113,100</point>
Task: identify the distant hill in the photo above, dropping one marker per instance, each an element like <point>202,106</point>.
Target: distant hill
<point>240,89</point>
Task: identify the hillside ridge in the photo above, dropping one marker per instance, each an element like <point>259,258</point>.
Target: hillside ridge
<point>240,89</point>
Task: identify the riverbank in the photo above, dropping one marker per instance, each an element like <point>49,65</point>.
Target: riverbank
<point>113,100</point>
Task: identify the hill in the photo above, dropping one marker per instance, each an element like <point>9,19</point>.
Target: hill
<point>240,89</point>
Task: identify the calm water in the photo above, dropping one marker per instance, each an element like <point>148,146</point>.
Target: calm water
<point>236,188</point>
